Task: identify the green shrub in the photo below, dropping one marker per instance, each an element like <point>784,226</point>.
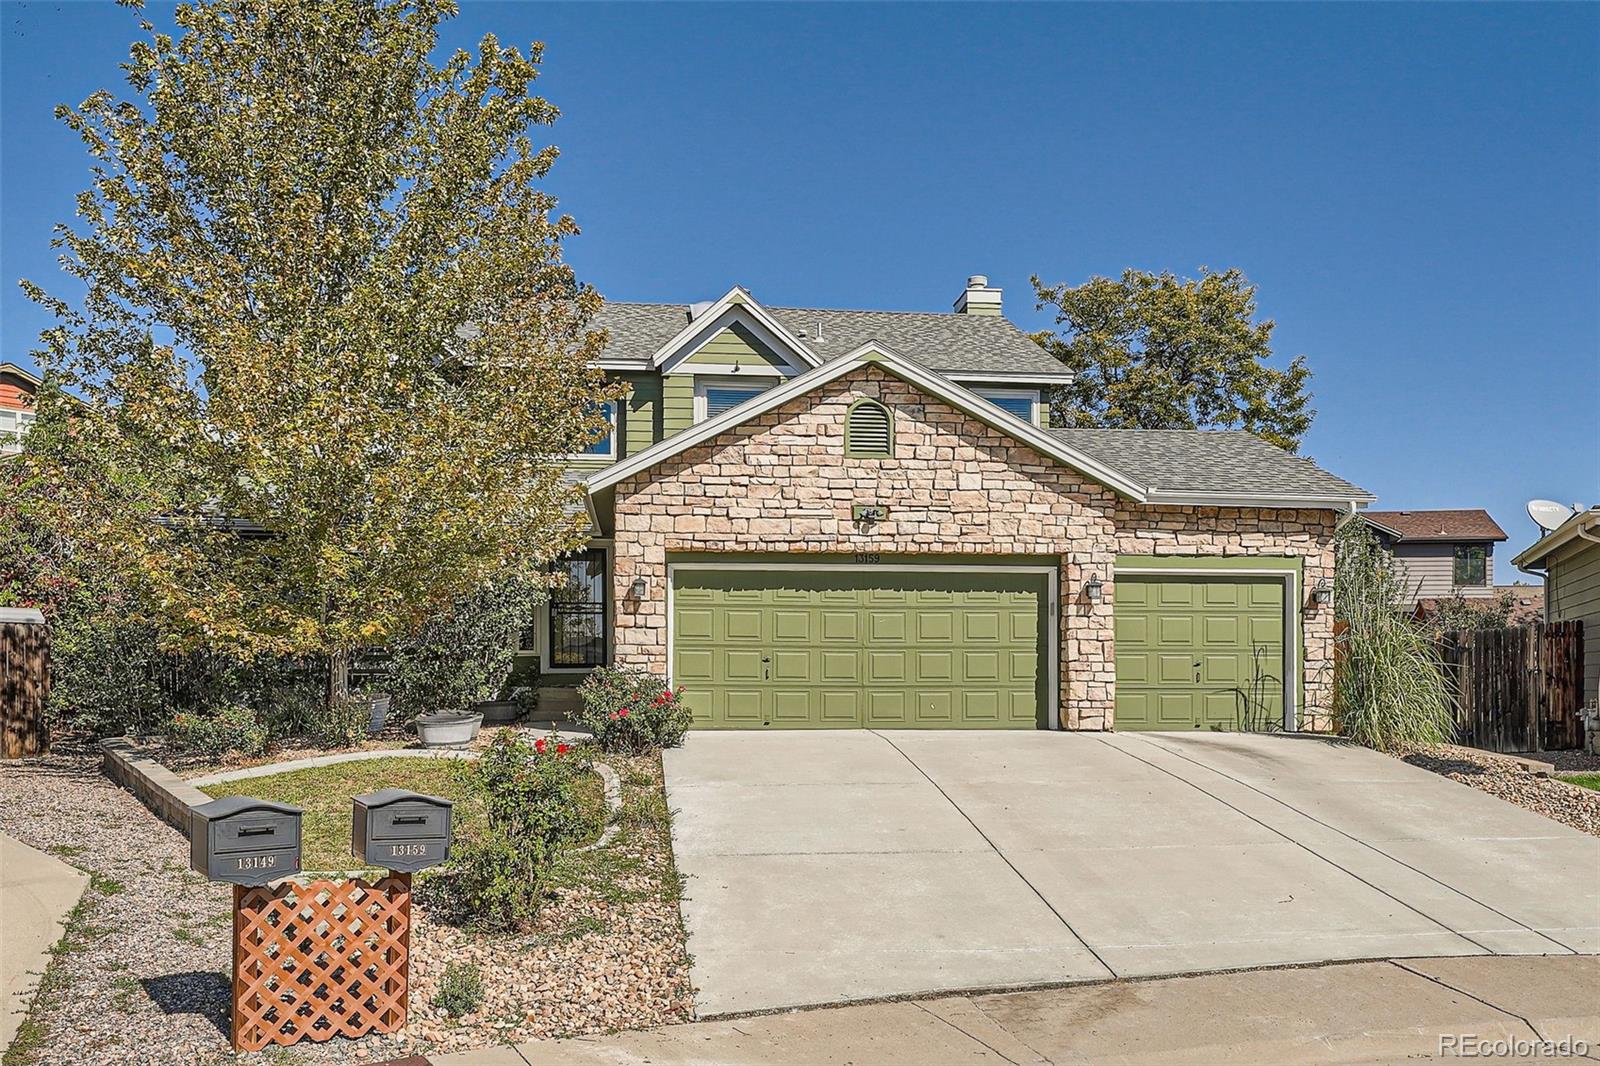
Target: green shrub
<point>1388,687</point>
<point>631,711</point>
<point>460,989</point>
<point>290,704</point>
<point>223,730</point>
<point>498,878</point>
<point>464,653</point>
<point>341,725</point>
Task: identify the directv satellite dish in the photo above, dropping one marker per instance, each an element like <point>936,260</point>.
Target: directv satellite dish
<point>1548,514</point>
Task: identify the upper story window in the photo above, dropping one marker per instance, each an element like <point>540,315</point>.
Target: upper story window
<point>1471,565</point>
<point>712,396</point>
<point>1024,403</point>
<point>869,431</point>
<point>14,425</point>
<point>606,446</point>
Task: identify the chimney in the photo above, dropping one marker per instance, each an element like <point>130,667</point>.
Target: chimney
<point>979,299</point>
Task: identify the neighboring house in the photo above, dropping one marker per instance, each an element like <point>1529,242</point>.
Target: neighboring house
<point>1443,553</point>
<point>822,518</point>
<point>1569,555</point>
<point>17,389</point>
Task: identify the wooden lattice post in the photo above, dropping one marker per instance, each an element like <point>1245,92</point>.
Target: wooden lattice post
<point>315,961</point>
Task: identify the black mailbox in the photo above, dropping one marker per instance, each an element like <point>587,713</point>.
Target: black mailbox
<point>244,841</point>
<point>400,830</point>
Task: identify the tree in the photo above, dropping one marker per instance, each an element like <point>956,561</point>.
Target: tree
<point>1155,351</point>
<point>329,354</point>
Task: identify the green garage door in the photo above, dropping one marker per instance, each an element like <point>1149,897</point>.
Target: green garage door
<point>814,649</point>
<point>1199,652</point>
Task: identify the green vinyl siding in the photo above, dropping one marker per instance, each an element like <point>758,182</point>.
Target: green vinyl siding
<point>737,346</point>
<point>1199,651</point>
<point>826,649</point>
<point>641,413</point>
<point>677,404</point>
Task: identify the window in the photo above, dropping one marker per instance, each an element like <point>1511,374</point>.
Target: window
<point>1472,565</point>
<point>1024,403</point>
<point>14,426</point>
<point>712,396</point>
<point>606,446</point>
<point>869,431</point>
<point>578,612</point>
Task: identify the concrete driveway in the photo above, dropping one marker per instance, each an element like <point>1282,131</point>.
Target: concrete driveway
<point>831,866</point>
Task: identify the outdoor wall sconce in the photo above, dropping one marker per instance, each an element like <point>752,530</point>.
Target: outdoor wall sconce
<point>639,588</point>
<point>1093,588</point>
<point>1322,594</point>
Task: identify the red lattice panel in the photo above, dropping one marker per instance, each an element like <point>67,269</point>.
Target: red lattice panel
<point>311,962</point>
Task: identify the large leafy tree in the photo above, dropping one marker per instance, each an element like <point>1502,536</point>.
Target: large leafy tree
<point>328,351</point>
<point>1156,351</point>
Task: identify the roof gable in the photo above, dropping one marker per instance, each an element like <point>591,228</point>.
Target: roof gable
<point>736,307</point>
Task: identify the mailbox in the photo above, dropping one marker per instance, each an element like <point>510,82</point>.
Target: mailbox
<point>244,841</point>
<point>400,830</point>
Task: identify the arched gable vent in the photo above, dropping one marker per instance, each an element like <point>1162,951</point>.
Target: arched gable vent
<point>869,431</point>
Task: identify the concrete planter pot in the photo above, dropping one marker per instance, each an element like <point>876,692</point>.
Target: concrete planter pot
<point>380,712</point>
<point>497,712</point>
<point>448,729</point>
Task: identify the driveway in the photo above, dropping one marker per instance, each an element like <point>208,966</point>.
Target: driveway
<point>831,866</point>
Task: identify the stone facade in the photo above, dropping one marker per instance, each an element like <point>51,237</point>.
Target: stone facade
<point>781,483</point>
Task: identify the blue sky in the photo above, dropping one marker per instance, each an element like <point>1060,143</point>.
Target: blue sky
<point>1414,188</point>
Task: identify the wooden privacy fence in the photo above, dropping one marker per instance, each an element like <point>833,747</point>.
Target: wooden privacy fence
<point>1517,689</point>
<point>24,683</point>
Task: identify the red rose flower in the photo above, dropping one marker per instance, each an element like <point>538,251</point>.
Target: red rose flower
<point>561,749</point>
<point>538,745</point>
<point>623,713</point>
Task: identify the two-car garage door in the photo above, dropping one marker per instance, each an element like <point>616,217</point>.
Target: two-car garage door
<point>847,647</point>
<point>842,648</point>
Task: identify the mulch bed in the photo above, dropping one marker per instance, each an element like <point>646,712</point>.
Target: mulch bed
<point>1507,779</point>
<point>145,979</point>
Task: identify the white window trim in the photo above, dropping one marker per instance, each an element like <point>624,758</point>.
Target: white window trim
<point>611,452</point>
<point>704,382</point>
<point>1031,395</point>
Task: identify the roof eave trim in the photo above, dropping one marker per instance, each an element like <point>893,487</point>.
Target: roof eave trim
<point>1570,530</point>
<point>1298,500</point>
<point>735,297</point>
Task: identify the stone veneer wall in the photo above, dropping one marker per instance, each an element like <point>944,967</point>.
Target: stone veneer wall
<point>781,483</point>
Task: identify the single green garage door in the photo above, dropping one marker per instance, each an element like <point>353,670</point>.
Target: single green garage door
<point>836,648</point>
<point>1199,652</point>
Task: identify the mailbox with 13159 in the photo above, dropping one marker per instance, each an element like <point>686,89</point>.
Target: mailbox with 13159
<point>400,830</point>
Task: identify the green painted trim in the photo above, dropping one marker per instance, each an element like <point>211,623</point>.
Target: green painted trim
<point>850,450</point>
<point>1223,564</point>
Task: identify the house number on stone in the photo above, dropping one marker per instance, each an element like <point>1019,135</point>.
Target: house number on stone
<point>869,557</point>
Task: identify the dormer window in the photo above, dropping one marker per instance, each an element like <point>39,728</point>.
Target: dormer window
<point>1024,403</point>
<point>869,431</point>
<point>712,396</point>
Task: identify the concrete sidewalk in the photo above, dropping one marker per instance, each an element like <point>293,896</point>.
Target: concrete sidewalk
<point>1371,1012</point>
<point>36,892</point>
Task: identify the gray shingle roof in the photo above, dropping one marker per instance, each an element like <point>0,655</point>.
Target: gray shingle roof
<point>948,343</point>
<point>1223,462</point>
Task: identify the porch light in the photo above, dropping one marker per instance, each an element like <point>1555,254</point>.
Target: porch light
<point>1093,588</point>
<point>1322,594</point>
<point>639,588</point>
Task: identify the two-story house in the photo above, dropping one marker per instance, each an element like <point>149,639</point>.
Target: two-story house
<point>816,518</point>
<point>1442,553</point>
<point>17,389</point>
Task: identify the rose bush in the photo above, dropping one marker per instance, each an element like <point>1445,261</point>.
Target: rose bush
<point>631,711</point>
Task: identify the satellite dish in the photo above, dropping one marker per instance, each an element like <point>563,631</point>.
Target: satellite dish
<point>1548,514</point>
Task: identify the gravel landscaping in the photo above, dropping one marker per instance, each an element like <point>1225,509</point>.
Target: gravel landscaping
<point>143,977</point>
<point>1505,778</point>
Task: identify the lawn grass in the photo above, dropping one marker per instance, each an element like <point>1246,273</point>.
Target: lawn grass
<point>324,793</point>
<point>1583,780</point>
